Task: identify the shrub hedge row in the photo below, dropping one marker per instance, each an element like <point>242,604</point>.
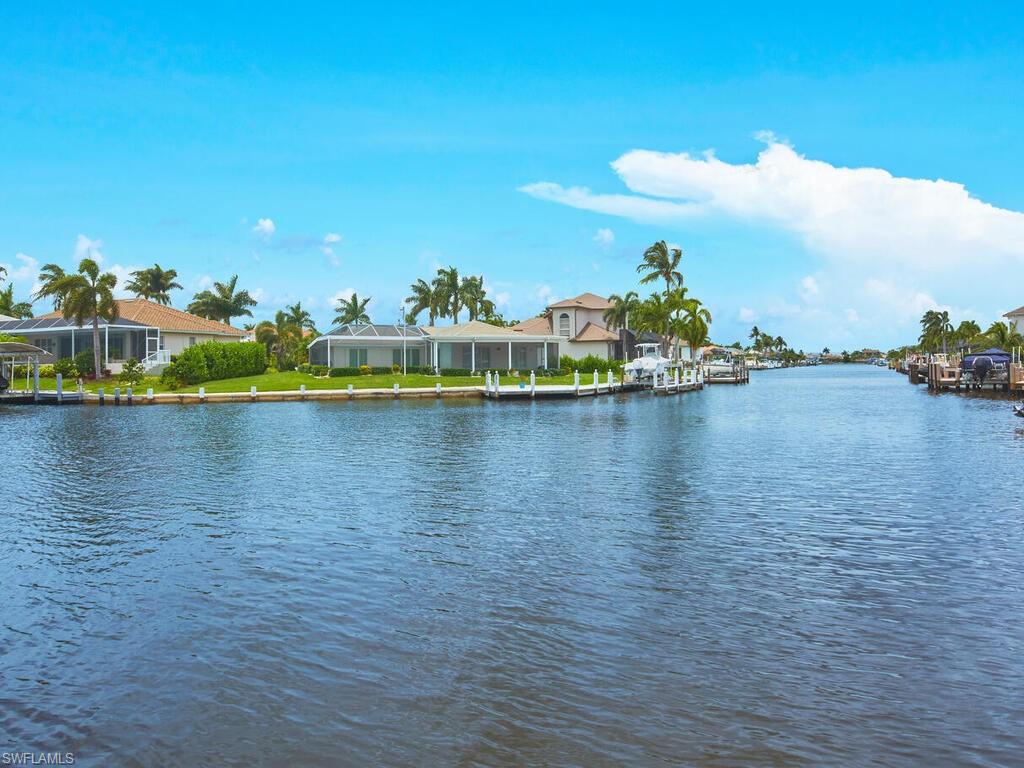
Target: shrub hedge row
<point>589,364</point>
<point>213,360</point>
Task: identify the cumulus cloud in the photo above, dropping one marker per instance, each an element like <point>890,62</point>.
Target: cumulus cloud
<point>87,248</point>
<point>327,248</point>
<point>264,229</point>
<point>23,269</point>
<point>604,236</point>
<point>809,289</point>
<point>849,214</point>
<point>747,315</point>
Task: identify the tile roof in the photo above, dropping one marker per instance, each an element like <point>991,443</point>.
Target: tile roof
<point>584,301</point>
<point>594,332</point>
<point>1017,311</point>
<point>155,315</point>
<point>535,325</point>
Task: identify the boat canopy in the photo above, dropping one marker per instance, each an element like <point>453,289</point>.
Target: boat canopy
<point>995,355</point>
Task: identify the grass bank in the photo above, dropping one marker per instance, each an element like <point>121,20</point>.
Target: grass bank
<point>291,380</point>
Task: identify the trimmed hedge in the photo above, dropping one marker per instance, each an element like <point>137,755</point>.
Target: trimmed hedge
<point>338,372</point>
<point>424,370</point>
<point>456,372</point>
<point>589,364</point>
<point>213,360</point>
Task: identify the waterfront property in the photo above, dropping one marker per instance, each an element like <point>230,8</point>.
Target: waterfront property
<point>373,344</point>
<point>472,346</point>
<point>145,330</point>
<point>1016,319</point>
<point>580,327</point>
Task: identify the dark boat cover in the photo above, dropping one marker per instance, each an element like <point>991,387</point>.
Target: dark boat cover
<point>995,355</point>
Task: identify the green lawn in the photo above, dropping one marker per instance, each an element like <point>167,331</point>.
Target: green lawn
<point>292,380</point>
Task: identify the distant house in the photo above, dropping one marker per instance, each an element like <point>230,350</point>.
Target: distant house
<point>1016,319</point>
<point>145,330</point>
<point>473,346</point>
<point>580,327</point>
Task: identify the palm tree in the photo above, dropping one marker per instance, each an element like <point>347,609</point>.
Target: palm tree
<point>88,294</point>
<point>299,317</point>
<point>154,284</point>
<point>471,289</point>
<point>780,343</point>
<point>1004,336</point>
<point>655,315</point>
<point>3,273</point>
<point>280,337</point>
<point>661,263</point>
<point>12,308</point>
<point>424,297</point>
<point>755,334</point>
<point>352,311</point>
<point>617,315</point>
<point>50,277</point>
<point>448,286</point>
<point>223,302</point>
<point>966,331</point>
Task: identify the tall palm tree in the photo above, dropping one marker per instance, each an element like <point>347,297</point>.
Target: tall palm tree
<point>281,337</point>
<point>50,277</point>
<point>297,316</point>
<point>966,331</point>
<point>3,273</point>
<point>424,296</point>
<point>475,297</point>
<point>661,263</point>
<point>223,302</point>
<point>352,311</point>
<point>449,289</point>
<point>755,334</point>
<point>89,294</point>
<point>780,343</point>
<point>12,308</point>
<point>154,284</point>
<point>696,321</point>
<point>618,314</point>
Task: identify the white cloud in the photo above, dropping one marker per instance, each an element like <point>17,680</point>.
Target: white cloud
<point>204,282</point>
<point>847,214</point>
<point>545,294</point>
<point>747,315</point>
<point>604,236</point>
<point>25,270</point>
<point>852,316</point>
<point>86,248</point>
<point>327,248</point>
<point>809,289</point>
<point>265,229</point>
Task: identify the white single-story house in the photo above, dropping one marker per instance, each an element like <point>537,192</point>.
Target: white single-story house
<point>372,344</point>
<point>580,327</point>
<point>1016,319</point>
<point>474,346</point>
<point>145,330</point>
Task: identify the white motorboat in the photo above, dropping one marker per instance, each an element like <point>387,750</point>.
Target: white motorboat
<point>649,362</point>
<point>720,364</point>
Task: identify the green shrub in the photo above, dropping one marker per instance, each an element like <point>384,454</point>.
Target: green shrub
<point>456,372</point>
<point>339,372</point>
<point>85,364</point>
<point>589,364</point>
<point>132,373</point>
<point>212,360</point>
<point>288,365</point>
<point>65,367</point>
<point>48,372</point>
<point>318,370</point>
<point>365,370</point>
<point>303,368</point>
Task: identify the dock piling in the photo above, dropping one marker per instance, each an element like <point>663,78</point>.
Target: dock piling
<point>60,388</point>
<point>102,397</point>
<point>117,395</point>
<point>252,393</point>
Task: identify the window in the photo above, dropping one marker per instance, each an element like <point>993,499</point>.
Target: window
<point>46,344</point>
<point>191,341</point>
<point>116,349</point>
<point>356,357</point>
<point>412,357</point>
<point>563,324</point>
<point>519,357</point>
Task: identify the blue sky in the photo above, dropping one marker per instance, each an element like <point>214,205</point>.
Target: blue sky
<point>425,136</point>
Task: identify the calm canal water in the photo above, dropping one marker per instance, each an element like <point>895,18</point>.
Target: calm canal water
<point>823,568</point>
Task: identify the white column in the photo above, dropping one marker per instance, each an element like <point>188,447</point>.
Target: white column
<point>72,341</point>
<point>35,379</point>
<point>533,383</point>
<point>510,355</point>
<point>106,351</point>
<point>328,354</point>
<point>472,356</point>
<point>545,355</point>
<point>595,382</point>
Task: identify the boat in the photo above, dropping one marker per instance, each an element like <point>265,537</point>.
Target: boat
<point>648,363</point>
<point>1018,410</point>
<point>720,364</point>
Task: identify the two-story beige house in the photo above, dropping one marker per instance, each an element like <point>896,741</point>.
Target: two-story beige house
<point>579,323</point>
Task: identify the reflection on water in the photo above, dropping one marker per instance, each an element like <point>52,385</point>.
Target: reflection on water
<point>823,567</point>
